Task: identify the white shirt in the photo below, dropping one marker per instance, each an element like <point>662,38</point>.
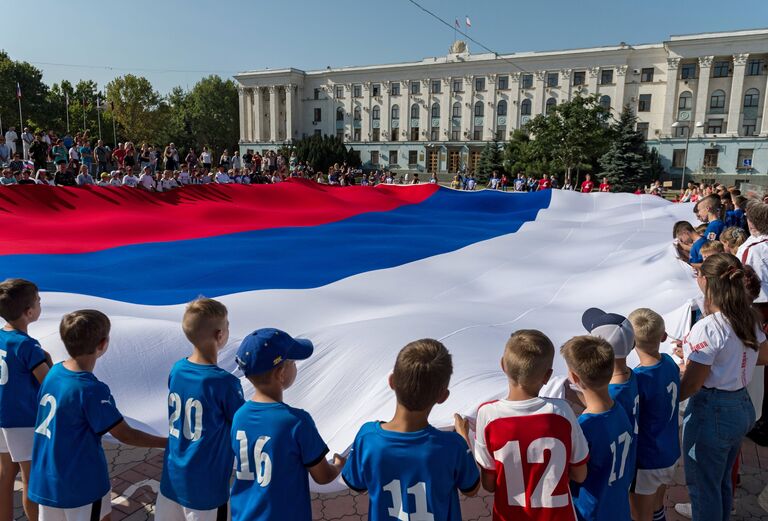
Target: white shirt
<point>222,178</point>
<point>27,138</point>
<point>235,162</point>
<point>205,158</point>
<point>757,257</point>
<point>11,137</point>
<point>84,179</point>
<point>130,180</point>
<point>165,185</point>
<point>713,342</point>
<point>115,181</point>
<point>147,181</point>
<point>184,177</point>
<point>74,154</point>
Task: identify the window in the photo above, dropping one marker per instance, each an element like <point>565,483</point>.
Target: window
<point>375,113</point>
<point>502,83</point>
<point>357,115</point>
<point>754,67</point>
<point>394,89</point>
<point>553,79</point>
<point>318,132</point>
<point>644,103</point>
<point>393,157</point>
<point>415,87</point>
<point>376,134</point>
<point>357,91</point>
<point>316,94</point>
<point>457,86</point>
<point>414,111</point>
<point>749,127</point>
<point>579,78</point>
<point>395,134</point>
<point>435,110</point>
<point>605,102</point>
<point>525,107</point>
<point>526,81</point>
<point>340,133</point>
<point>339,114</point>
<point>479,84</point>
<point>688,71</point>
<point>501,132</point>
<point>395,112</point>
<point>551,102</point>
<point>435,87</point>
<point>642,129</point>
<point>710,158</point>
<point>455,134</point>
<point>717,102</point>
<point>456,110</point>
<point>477,133</point>
<point>682,131</point>
<point>434,134</point>
<point>745,158</point>
<point>685,101</point>
<point>413,157</point>
<point>606,76</point>
<point>646,75</point>
<point>751,98</point>
<point>414,133</point>
<point>479,109</point>
<point>501,108</point>
<point>678,158</point>
<point>720,69</point>
<point>356,135</point>
<point>318,115</point>
<point>715,126</point>
<point>376,89</point>
<point>339,91</point>
<point>374,157</point>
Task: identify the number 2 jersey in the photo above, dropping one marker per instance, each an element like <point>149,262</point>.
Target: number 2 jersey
<point>202,400</point>
<point>410,475</point>
<point>530,445</point>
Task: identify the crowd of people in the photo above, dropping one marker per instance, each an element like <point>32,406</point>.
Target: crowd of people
<point>605,452</point>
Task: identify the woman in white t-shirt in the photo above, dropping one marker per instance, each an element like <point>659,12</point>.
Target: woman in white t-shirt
<point>721,352</point>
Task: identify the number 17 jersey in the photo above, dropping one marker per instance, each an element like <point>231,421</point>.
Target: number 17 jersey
<point>530,445</point>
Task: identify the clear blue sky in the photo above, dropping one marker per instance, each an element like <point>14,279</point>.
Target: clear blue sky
<point>226,36</point>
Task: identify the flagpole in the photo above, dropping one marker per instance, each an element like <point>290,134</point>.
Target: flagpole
<point>114,127</point>
<point>84,124</point>
<point>66,103</point>
<point>18,96</point>
<point>98,114</point>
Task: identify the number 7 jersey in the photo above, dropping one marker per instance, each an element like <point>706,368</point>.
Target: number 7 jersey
<point>530,445</point>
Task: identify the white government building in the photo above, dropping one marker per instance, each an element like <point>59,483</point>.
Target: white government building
<point>704,93</point>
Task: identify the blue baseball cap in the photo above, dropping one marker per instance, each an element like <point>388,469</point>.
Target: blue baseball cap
<point>265,349</point>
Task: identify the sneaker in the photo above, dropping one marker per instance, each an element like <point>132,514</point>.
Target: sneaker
<point>759,434</point>
<point>684,509</point>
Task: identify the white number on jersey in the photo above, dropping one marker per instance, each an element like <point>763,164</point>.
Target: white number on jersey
<point>625,439</point>
<point>543,495</point>
<point>419,492</point>
<point>261,459</point>
<point>672,389</point>
<point>635,409</point>
<point>43,429</point>
<point>192,407</point>
<point>3,367</point>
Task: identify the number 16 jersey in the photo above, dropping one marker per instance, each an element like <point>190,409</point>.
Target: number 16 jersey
<point>530,445</point>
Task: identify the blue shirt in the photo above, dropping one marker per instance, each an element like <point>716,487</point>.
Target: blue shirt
<point>604,495</point>
<point>20,354</point>
<point>202,400</point>
<point>274,445</point>
<point>714,229</point>
<point>658,443</point>
<point>411,470</point>
<point>69,469</point>
<point>627,395</point>
<point>735,218</point>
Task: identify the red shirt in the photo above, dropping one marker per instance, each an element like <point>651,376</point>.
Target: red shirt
<point>605,187</point>
<point>544,184</point>
<point>587,186</point>
<point>119,154</point>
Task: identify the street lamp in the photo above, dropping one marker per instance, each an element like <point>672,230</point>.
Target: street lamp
<point>678,124</point>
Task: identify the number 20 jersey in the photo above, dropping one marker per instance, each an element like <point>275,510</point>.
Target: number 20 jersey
<point>530,445</point>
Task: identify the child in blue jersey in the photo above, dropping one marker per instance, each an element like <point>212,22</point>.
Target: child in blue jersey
<point>604,495</point>
<point>707,210</point>
<point>23,366</point>
<point>202,400</point>
<point>70,478</point>
<point>410,469</point>
<point>275,445</point>
<point>658,442</point>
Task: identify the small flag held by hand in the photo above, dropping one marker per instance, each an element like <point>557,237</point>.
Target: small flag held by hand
<point>468,22</point>
<point>18,90</point>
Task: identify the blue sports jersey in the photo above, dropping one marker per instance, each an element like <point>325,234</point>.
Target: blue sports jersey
<point>735,218</point>
<point>714,229</point>
<point>658,442</point>
<point>69,469</point>
<point>626,395</point>
<point>604,495</point>
<point>202,400</point>
<point>415,473</point>
<point>20,354</point>
<point>274,445</point>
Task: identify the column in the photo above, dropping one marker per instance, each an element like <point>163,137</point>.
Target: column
<point>405,111</point>
<point>737,93</point>
<point>349,112</point>
<point>384,129</point>
<point>445,110</point>
<point>539,97</point>
<point>593,74</point>
<point>425,113</point>
<point>621,74</point>
<point>274,113</point>
<point>365,124</point>
<point>467,109</point>
<point>670,96</point>
<point>764,122</point>
<point>565,84</point>
<point>289,116</point>
<point>490,107</point>
<point>258,114</point>
<point>702,93</point>
<point>513,107</point>
<point>241,101</point>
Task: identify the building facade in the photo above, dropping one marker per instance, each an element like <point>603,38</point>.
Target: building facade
<point>701,101</point>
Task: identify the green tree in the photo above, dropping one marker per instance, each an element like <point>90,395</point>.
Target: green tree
<point>209,113</point>
<point>33,94</point>
<point>490,159</point>
<point>322,152</point>
<point>572,134</point>
<point>136,106</point>
<point>519,155</point>
<point>626,163</point>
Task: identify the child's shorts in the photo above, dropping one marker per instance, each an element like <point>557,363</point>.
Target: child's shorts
<point>648,481</point>
<point>168,510</point>
<point>17,441</point>
<point>97,510</point>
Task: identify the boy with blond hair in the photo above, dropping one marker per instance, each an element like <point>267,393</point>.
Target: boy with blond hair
<point>275,444</point>
<point>430,465</point>
<point>75,411</point>
<point>529,447</point>
<point>712,247</point>
<point>604,495</point>
<point>202,400</point>
<point>658,442</point>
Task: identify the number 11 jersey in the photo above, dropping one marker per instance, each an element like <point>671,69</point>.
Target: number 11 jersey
<point>530,445</point>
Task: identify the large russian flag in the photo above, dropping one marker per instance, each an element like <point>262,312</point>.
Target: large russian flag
<point>360,271</point>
